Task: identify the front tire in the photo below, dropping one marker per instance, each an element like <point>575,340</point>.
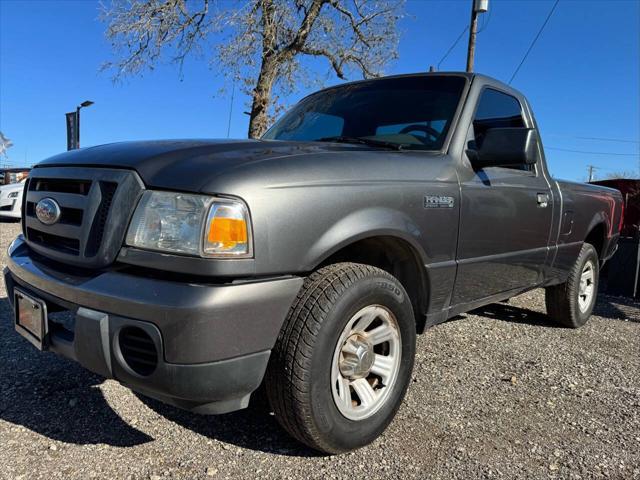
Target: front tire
<point>343,359</point>
<point>570,304</point>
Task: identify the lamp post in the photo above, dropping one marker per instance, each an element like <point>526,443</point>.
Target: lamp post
<point>86,103</point>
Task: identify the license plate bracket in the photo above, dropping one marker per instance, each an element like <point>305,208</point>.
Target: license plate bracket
<point>31,318</point>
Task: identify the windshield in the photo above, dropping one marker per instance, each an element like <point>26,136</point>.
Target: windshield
<point>413,112</point>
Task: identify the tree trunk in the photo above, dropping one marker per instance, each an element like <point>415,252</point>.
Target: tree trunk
<point>259,118</point>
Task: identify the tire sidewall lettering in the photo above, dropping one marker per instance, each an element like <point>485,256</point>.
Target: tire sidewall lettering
<point>391,288</point>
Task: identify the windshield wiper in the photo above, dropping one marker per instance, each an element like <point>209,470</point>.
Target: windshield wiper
<point>362,140</point>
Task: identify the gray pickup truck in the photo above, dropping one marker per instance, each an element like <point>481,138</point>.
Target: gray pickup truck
<point>195,271</point>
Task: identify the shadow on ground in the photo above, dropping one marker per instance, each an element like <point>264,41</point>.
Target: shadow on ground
<point>614,308</point>
<point>254,428</point>
<point>57,398</point>
<point>53,396</point>
<point>510,313</point>
<point>619,308</point>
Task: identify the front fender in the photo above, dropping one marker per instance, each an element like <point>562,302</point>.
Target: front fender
<point>362,224</point>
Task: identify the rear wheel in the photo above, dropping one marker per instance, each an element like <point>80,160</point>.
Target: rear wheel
<point>344,357</point>
<point>571,303</point>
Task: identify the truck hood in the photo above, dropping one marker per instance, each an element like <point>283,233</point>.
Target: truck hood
<point>187,165</point>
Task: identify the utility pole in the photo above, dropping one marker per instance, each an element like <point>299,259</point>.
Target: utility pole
<point>591,169</point>
<point>477,7</point>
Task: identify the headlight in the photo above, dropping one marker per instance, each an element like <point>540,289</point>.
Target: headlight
<point>13,195</point>
<point>191,224</point>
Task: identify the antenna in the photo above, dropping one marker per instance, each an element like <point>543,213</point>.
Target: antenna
<point>233,91</point>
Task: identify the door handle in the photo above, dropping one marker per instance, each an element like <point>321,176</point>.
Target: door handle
<point>543,200</point>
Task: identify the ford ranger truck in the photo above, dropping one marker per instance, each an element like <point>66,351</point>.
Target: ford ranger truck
<point>196,270</point>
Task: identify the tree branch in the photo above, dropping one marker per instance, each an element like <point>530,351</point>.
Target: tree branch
<point>311,14</point>
<point>355,25</point>
<point>336,62</point>
<point>263,41</point>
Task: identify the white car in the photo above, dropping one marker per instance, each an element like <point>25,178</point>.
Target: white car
<point>11,200</point>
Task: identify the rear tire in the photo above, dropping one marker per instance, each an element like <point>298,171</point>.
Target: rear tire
<point>570,304</point>
<point>348,337</point>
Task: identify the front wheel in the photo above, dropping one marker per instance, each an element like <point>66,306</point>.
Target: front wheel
<point>343,360</point>
<point>571,303</point>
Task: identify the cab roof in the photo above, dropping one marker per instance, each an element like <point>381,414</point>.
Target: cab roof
<point>470,76</point>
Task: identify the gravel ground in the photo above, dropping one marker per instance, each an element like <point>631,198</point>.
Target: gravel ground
<point>500,393</point>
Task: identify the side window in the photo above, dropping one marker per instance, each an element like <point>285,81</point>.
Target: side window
<point>496,110</point>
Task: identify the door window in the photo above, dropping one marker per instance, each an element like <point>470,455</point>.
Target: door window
<point>497,110</point>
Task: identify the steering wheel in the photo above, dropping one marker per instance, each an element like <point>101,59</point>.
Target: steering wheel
<point>431,132</point>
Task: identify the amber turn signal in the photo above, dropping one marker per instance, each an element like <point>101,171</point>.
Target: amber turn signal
<point>228,230</point>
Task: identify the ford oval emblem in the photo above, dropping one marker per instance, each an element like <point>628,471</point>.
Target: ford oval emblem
<point>48,211</point>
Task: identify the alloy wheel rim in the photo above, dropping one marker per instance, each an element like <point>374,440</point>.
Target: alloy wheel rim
<point>587,286</point>
<point>366,362</point>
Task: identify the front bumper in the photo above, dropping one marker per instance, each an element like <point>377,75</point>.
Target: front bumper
<point>213,340</point>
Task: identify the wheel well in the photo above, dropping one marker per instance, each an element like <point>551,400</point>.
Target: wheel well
<point>596,238</point>
<point>397,257</point>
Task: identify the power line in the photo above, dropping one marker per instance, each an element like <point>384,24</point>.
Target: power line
<point>485,24</point>
<point>596,167</point>
<point>535,39</point>
<point>594,153</point>
<point>452,46</point>
<point>599,139</point>
<point>602,139</point>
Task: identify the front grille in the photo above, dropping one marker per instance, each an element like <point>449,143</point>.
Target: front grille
<point>107,189</point>
<point>138,350</point>
<point>70,246</point>
<point>95,205</point>
<point>23,206</point>
<point>6,207</point>
<point>70,216</point>
<point>61,185</point>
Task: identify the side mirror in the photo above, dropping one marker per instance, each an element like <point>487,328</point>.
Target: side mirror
<point>505,147</point>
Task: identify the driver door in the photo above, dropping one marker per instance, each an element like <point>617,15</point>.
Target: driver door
<point>505,215</point>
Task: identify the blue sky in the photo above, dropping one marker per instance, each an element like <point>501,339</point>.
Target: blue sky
<point>582,77</point>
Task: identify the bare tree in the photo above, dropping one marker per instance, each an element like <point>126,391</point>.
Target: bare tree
<point>258,43</point>
<point>5,143</point>
<point>620,174</point>
<point>612,175</point>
